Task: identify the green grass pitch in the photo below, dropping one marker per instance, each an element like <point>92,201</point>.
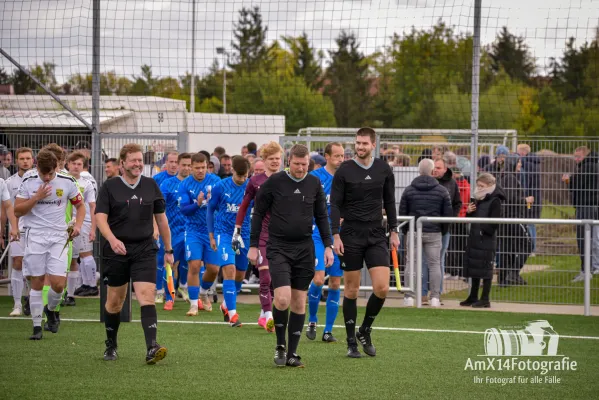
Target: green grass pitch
<point>425,358</point>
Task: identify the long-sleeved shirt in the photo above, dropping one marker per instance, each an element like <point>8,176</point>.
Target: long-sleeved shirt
<point>293,205</point>
<point>359,193</point>
<point>251,191</point>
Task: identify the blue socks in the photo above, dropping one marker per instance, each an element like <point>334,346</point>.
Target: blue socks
<point>194,294</point>
<point>238,286</point>
<point>183,269</point>
<point>313,300</point>
<point>332,308</point>
<point>202,270</point>
<point>230,294</point>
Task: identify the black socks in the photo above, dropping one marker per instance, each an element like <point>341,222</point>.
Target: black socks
<point>149,323</point>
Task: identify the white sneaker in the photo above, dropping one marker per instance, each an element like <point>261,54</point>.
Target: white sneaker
<point>447,276</point>
<point>16,312</point>
<point>435,303</point>
<point>408,301</point>
<point>578,278</point>
<point>254,279</point>
<point>159,299</point>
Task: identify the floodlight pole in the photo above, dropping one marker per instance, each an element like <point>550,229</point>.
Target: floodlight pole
<point>475,89</point>
<point>192,100</point>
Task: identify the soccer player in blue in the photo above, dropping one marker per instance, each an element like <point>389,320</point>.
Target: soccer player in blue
<point>169,172</point>
<point>195,192</point>
<point>333,154</point>
<point>176,221</point>
<point>226,199</point>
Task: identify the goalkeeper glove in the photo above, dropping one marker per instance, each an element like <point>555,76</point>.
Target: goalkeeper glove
<point>237,241</point>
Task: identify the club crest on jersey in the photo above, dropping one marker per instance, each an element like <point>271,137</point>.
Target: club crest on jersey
<point>59,192</point>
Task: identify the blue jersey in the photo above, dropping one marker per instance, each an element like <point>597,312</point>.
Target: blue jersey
<point>326,180</point>
<point>176,219</point>
<point>225,201</point>
<point>195,213</point>
<point>162,176</point>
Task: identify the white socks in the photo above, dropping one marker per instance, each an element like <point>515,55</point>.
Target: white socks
<point>17,284</point>
<point>72,283</point>
<point>36,305</point>
<point>88,268</point>
<point>53,299</point>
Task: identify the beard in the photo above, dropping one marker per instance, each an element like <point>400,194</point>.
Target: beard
<point>364,156</point>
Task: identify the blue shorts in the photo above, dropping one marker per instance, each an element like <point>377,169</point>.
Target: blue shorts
<point>227,256</point>
<point>333,270</point>
<point>160,254</point>
<point>179,249</point>
<point>197,247</point>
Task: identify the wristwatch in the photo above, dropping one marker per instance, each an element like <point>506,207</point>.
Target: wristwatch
<point>171,251</point>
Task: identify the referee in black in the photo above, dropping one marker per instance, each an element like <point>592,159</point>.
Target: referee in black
<point>295,200</point>
<point>361,188</point>
<point>125,212</point>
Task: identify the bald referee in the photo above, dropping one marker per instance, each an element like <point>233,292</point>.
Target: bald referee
<point>125,211</point>
<point>294,199</point>
<point>361,187</point>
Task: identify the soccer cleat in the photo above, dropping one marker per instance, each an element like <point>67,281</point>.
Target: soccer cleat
<point>294,361</point>
<point>364,338</point>
<point>91,291</point>
<point>408,302</point>
<point>168,305</point>
<point>280,356</point>
<point>159,299</point>
<point>37,333</point>
<point>182,292</point>
<point>155,354</point>
<point>53,320</point>
<point>225,312</point>
<point>270,325</point>
<point>235,322</point>
<point>69,301</point>
<point>193,311</point>
<point>110,352</point>
<point>81,289</point>
<point>16,312</point>
<point>328,337</point>
<point>352,348</point>
<point>311,331</point>
<point>26,308</point>
<point>200,305</point>
<point>262,322</point>
<point>206,302</point>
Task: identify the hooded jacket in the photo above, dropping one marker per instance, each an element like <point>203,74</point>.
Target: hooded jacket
<point>425,197</point>
<point>584,183</point>
<point>482,240</point>
<point>451,185</point>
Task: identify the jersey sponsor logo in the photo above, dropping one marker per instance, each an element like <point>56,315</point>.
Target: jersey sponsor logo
<point>367,177</point>
<point>59,192</point>
<point>50,202</point>
<point>232,208</point>
<point>297,191</point>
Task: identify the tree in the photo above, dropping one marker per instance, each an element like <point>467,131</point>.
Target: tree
<point>4,78</point>
<point>144,84</point>
<point>21,82</point>
<point>249,47</point>
<point>347,82</point>
<point>512,54</point>
<point>307,61</point>
<point>45,73</point>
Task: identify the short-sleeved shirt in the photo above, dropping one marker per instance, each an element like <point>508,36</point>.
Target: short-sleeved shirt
<point>131,208</point>
<point>176,219</point>
<point>88,192</point>
<point>162,176</point>
<point>226,199</point>
<point>189,190</point>
<point>86,175</point>
<point>13,184</point>
<point>48,215</point>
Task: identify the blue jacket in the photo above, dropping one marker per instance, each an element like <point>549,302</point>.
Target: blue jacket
<point>530,178</point>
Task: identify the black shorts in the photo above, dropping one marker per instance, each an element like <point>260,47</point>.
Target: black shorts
<point>291,264</point>
<point>138,265</point>
<point>363,244</point>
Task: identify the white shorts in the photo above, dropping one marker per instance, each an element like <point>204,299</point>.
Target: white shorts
<point>17,249</point>
<point>81,243</point>
<point>45,254</point>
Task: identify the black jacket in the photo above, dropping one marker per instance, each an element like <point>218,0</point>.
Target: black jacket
<point>425,197</point>
<point>530,178</point>
<point>482,240</point>
<point>451,185</point>
<point>584,183</point>
<point>515,200</point>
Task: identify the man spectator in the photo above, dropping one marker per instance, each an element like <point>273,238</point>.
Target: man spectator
<point>402,160</point>
<point>530,178</point>
<point>250,157</point>
<point>4,173</point>
<point>213,165</point>
<point>226,166</point>
<point>258,167</point>
<point>319,161</point>
<point>584,191</point>
<point>252,148</point>
<point>219,151</point>
<point>438,151</point>
<point>8,163</point>
<point>497,165</point>
<point>426,197</point>
<point>244,151</point>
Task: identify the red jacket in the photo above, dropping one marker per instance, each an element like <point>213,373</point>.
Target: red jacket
<point>464,188</point>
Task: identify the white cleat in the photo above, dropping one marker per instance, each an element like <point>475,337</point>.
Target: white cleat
<point>16,312</point>
<point>193,311</point>
<point>159,299</point>
<point>184,294</point>
<point>408,301</point>
<point>206,302</point>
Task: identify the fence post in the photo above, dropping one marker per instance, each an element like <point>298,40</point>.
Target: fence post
<point>411,249</point>
<point>182,142</point>
<point>475,87</point>
<point>588,229</point>
<point>419,263</point>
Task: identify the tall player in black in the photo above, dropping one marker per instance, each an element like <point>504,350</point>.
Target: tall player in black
<point>361,188</point>
<point>294,199</point>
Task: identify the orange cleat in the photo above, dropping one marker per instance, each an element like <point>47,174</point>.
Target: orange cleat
<point>168,305</point>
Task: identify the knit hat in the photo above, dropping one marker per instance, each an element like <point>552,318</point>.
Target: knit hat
<point>502,150</point>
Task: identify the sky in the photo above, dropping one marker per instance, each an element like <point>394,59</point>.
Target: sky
<point>158,33</point>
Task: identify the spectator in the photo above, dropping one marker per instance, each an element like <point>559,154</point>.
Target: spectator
<point>459,232</point>
<point>463,162</point>
<point>258,167</point>
<point>347,154</point>
<point>215,164</point>
<point>219,151</point>
<point>514,242</point>
<point>8,164</point>
<point>497,165</point>
<point>425,197</point>
<point>226,166</point>
<point>319,161</point>
<point>311,165</point>
<point>204,152</point>
<point>426,153</point>
<point>244,151</point>
<point>483,162</point>
<point>482,240</point>
<point>402,160</point>
<point>4,173</point>
<point>444,176</point>
<point>111,168</point>
<point>250,157</point>
<point>252,148</point>
<point>584,192</point>
<point>530,177</point>
<point>438,151</point>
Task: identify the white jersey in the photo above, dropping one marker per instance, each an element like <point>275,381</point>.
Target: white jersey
<point>89,196</point>
<point>13,184</point>
<point>90,177</point>
<point>4,193</point>
<point>49,214</point>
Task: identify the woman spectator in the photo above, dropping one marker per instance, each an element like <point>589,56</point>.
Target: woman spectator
<point>482,240</point>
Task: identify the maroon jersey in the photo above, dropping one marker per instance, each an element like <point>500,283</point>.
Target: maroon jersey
<point>251,191</point>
